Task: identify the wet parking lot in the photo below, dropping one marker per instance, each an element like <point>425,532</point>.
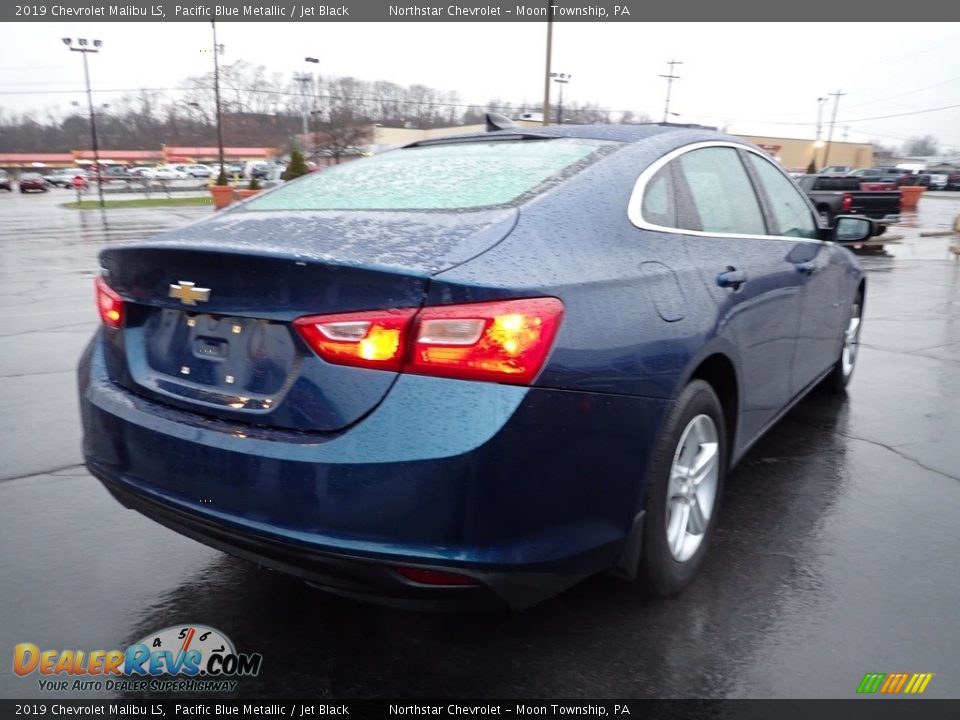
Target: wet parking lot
<point>836,553</point>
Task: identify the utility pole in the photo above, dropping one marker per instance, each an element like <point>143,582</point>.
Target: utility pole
<point>216,95</point>
<point>670,78</point>
<point>562,79</point>
<point>84,48</point>
<point>546,72</point>
<point>833,121</point>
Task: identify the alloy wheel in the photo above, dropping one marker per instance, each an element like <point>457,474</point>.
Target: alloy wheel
<point>692,488</point>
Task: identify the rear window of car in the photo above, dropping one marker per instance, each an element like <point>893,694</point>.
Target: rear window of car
<point>455,176</point>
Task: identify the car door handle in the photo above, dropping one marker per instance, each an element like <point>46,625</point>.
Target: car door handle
<point>807,268</point>
<point>731,278</point>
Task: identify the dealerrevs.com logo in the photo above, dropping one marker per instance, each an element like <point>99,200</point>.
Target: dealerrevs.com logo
<point>182,658</point>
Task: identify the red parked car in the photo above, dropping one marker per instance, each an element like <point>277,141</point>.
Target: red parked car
<point>32,181</point>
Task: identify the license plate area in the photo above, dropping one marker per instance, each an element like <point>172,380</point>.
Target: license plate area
<point>190,354</point>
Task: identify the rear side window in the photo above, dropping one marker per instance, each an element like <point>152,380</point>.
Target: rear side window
<point>455,176</point>
<point>721,198</point>
<point>659,200</point>
<point>790,211</point>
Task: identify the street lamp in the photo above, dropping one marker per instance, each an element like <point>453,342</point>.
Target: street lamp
<point>315,113</point>
<point>84,47</point>
<point>303,79</point>
<point>562,79</point>
<point>217,49</point>
<point>818,143</point>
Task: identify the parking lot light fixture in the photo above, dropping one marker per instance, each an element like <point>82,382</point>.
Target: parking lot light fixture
<point>315,113</point>
<point>84,47</point>
<point>221,176</point>
<point>561,79</point>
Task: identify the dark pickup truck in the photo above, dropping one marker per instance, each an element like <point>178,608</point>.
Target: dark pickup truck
<point>833,196</point>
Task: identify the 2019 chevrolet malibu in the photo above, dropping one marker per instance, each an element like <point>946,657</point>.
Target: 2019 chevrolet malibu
<point>474,369</point>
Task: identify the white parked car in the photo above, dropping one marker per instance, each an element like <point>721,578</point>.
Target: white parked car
<point>273,177</point>
<point>164,172</point>
<point>63,177</point>
<point>196,170</point>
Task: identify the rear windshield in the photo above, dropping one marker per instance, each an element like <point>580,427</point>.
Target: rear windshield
<point>457,176</point>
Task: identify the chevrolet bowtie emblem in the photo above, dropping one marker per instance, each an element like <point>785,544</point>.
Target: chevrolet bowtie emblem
<point>188,293</point>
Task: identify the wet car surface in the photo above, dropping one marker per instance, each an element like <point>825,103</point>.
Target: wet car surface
<point>835,554</point>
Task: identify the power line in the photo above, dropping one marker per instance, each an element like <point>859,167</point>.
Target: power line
<point>903,94</point>
<point>914,112</point>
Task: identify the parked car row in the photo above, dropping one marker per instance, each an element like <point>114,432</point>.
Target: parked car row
<point>64,177</point>
<point>905,176</point>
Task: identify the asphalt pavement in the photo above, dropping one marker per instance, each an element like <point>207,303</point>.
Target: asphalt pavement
<point>836,552</point>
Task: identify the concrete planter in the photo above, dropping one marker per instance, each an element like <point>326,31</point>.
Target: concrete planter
<point>244,193</point>
<point>910,196</point>
<point>222,195</point>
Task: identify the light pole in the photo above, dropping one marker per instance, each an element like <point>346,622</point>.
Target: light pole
<point>547,73</point>
<point>670,78</point>
<point>315,113</point>
<point>833,121</point>
<point>303,79</point>
<point>562,79</point>
<point>216,95</point>
<point>818,143</point>
<point>83,47</point>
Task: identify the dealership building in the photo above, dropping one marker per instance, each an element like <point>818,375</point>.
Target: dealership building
<point>792,153</point>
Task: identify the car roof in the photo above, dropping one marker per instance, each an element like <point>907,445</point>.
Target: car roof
<point>615,133</point>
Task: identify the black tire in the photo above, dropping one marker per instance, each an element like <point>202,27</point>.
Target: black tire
<point>840,375</point>
<point>660,573</point>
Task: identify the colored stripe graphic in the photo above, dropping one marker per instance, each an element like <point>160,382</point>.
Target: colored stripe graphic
<point>870,683</point>
<point>895,683</point>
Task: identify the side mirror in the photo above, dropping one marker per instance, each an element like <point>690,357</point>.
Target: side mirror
<point>853,228</point>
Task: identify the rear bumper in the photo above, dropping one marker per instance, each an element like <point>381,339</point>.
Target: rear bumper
<point>527,491</point>
<point>354,577</point>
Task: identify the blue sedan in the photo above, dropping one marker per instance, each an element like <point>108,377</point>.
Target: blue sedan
<point>474,370</point>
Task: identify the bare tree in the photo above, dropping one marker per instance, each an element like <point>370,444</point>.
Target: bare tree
<point>922,146</point>
<point>343,134</point>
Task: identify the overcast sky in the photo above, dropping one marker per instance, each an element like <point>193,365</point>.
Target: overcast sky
<point>759,78</point>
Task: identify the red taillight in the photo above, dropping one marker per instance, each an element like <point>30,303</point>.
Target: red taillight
<point>109,304</point>
<point>434,577</point>
<point>846,203</point>
<point>504,341</point>
<point>374,339</point>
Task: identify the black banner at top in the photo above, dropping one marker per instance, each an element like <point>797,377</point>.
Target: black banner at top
<point>471,11</point>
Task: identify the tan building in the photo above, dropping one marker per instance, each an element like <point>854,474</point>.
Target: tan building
<point>794,154</point>
<point>791,153</point>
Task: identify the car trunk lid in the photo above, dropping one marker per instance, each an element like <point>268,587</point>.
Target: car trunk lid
<point>209,307</point>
